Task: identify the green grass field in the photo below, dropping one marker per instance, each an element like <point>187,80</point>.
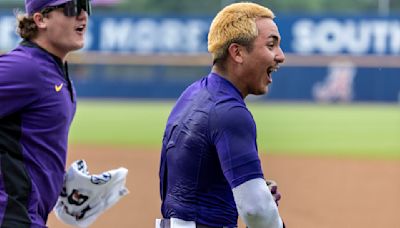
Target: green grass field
<point>353,130</point>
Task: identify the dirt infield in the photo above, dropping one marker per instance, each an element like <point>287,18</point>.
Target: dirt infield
<point>317,192</point>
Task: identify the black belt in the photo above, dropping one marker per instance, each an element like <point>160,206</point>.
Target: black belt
<point>166,223</point>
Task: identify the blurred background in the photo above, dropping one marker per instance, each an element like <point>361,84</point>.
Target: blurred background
<point>337,51</point>
<point>328,131</point>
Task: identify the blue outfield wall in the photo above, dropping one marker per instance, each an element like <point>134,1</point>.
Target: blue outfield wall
<point>320,84</point>
<point>289,83</point>
<point>303,35</point>
<point>133,81</point>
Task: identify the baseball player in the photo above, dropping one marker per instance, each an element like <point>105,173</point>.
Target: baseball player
<point>37,105</point>
<point>210,171</point>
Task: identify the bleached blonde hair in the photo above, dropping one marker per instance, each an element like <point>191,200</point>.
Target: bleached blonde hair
<point>236,23</point>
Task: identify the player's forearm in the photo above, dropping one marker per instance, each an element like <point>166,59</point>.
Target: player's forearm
<point>256,205</point>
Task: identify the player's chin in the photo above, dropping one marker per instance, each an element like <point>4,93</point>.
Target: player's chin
<point>266,90</point>
<point>77,46</point>
<point>262,90</point>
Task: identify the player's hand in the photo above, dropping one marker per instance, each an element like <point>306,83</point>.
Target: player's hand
<point>273,187</point>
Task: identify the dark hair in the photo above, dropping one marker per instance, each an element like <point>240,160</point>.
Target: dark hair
<point>27,28</point>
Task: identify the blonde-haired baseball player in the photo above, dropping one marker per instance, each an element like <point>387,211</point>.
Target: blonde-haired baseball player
<point>210,171</point>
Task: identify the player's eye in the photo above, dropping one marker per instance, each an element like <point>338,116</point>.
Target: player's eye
<point>270,46</point>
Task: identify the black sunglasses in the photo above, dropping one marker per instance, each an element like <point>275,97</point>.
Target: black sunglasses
<point>72,8</point>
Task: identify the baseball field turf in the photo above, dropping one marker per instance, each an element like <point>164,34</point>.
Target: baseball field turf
<point>336,165</point>
<point>366,130</point>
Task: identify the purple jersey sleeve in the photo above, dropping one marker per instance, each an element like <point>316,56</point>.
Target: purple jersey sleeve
<point>237,147</point>
<point>16,87</point>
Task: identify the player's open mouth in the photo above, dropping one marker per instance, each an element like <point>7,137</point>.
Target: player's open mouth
<point>80,29</point>
<point>270,71</point>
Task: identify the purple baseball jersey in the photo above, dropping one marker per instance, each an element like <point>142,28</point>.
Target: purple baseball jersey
<point>37,105</point>
<point>209,147</point>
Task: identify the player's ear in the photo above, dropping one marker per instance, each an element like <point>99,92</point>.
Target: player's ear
<point>235,51</point>
<point>39,20</point>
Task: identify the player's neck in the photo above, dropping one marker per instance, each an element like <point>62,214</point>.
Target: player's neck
<point>45,44</point>
<point>230,75</point>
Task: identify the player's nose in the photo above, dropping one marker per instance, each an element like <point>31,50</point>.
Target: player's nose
<point>83,15</point>
<point>280,56</point>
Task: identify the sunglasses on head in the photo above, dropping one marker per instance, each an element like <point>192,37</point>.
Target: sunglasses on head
<point>72,8</point>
